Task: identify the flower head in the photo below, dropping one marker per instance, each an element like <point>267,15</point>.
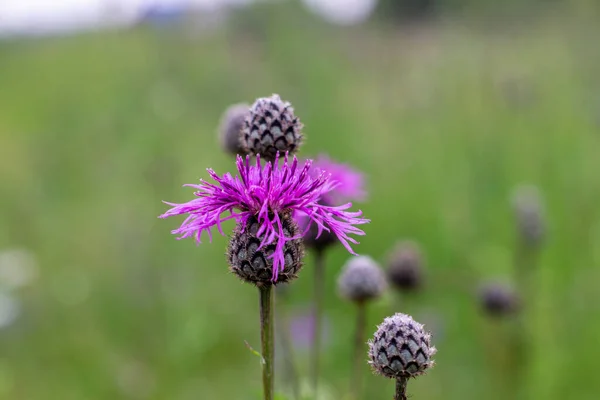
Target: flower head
<point>348,186</point>
<point>270,194</point>
<point>401,348</point>
<point>230,128</point>
<point>498,299</point>
<point>250,261</point>
<point>361,279</point>
<point>271,127</point>
<point>405,266</point>
<point>529,214</point>
<point>349,181</point>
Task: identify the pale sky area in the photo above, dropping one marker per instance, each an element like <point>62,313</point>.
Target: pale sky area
<point>46,16</point>
<point>34,17</point>
<point>39,16</point>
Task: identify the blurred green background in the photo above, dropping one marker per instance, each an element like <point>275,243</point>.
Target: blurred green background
<point>445,116</point>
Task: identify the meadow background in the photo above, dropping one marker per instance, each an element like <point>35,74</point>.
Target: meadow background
<point>445,116</point>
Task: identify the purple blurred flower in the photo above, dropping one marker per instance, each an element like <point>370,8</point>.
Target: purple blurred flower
<point>301,329</point>
<point>348,182</point>
<point>266,192</point>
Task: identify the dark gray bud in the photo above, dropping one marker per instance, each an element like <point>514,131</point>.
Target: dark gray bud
<point>529,215</point>
<point>498,299</point>
<point>230,128</point>
<point>361,279</point>
<point>254,265</point>
<point>405,267</point>
<point>325,240</point>
<point>401,348</point>
<point>271,127</point>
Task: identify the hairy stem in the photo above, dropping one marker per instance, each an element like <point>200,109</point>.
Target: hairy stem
<point>266,339</point>
<point>359,344</point>
<point>319,288</point>
<point>401,388</point>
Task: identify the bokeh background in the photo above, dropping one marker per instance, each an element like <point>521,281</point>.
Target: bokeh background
<point>446,105</point>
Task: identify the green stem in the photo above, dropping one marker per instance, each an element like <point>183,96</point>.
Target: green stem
<point>266,339</point>
<point>397,301</point>
<point>525,269</point>
<point>291,374</point>
<point>319,288</point>
<point>401,388</point>
<point>404,302</point>
<point>359,344</point>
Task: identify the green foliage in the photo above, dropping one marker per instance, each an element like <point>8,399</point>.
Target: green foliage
<point>97,129</point>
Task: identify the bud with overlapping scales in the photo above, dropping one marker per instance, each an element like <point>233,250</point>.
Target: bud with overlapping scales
<point>254,264</point>
<point>401,348</point>
<point>271,127</point>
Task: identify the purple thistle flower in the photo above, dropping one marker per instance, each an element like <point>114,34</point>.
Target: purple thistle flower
<point>270,194</point>
<point>302,326</point>
<point>349,182</point>
<point>348,185</point>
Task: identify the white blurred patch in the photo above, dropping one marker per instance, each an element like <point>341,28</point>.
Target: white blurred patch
<point>9,309</point>
<point>526,196</point>
<point>18,268</point>
<point>342,12</point>
<point>42,17</point>
<point>325,391</point>
<point>37,17</point>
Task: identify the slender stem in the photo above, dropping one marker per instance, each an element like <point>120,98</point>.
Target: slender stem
<point>291,374</point>
<point>404,302</point>
<point>525,268</point>
<point>398,302</point>
<point>319,288</point>
<point>359,344</point>
<point>266,339</point>
<point>401,388</point>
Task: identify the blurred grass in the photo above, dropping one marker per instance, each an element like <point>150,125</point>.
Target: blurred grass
<point>97,129</point>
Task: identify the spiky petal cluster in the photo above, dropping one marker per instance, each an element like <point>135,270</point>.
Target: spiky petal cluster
<point>349,186</point>
<point>349,182</point>
<point>266,193</point>
<point>401,348</point>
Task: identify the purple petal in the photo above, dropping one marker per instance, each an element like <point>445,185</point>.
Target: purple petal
<point>267,192</point>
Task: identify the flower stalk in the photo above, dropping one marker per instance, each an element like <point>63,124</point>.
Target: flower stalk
<point>361,281</point>
<point>267,340</point>
<point>531,226</point>
<point>319,292</point>
<point>401,384</point>
<point>359,342</point>
<point>283,332</point>
<point>525,271</point>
